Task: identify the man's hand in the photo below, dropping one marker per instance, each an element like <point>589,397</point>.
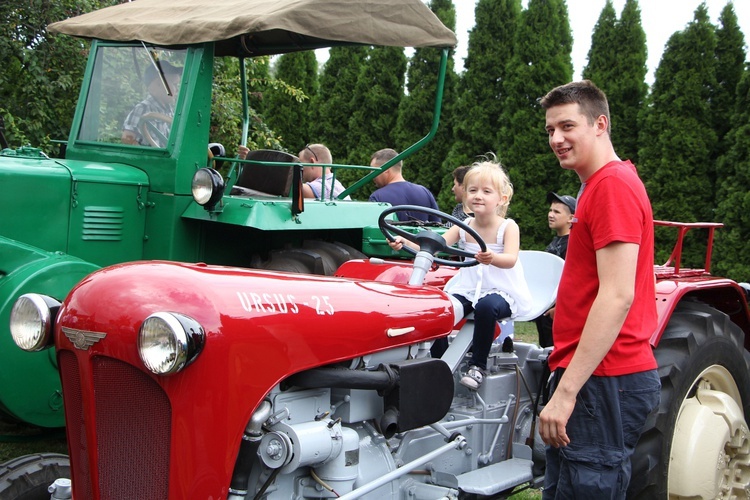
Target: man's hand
<point>554,419</point>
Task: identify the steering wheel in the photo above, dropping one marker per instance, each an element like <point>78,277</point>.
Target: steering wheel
<point>146,126</point>
<point>430,241</point>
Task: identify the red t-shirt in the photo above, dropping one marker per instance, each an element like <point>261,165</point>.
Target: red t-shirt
<point>612,207</point>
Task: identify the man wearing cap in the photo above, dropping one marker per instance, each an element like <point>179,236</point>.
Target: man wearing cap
<point>559,218</point>
<point>158,107</point>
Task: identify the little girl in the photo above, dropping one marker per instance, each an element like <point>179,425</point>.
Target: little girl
<point>496,288</point>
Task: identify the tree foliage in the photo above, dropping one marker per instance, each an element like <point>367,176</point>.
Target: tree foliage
<point>677,138</point>
<point>375,103</point>
<point>332,106</point>
<point>730,59</point>
<point>617,65</point>
<point>541,61</point>
<point>733,208</point>
<point>416,111</point>
<point>41,71</point>
<point>286,111</point>
<point>479,103</point>
<point>226,115</point>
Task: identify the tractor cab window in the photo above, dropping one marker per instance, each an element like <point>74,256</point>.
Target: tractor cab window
<point>132,95</point>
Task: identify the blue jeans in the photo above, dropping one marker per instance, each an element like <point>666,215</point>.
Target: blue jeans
<point>489,310</point>
<point>603,429</point>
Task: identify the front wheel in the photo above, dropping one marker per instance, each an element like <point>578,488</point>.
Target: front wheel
<point>29,476</point>
<point>697,445</point>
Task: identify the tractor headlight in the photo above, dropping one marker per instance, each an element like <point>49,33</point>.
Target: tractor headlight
<point>32,321</point>
<point>207,187</point>
<point>167,342</point>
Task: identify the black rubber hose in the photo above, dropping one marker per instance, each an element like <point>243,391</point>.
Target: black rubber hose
<point>247,456</point>
<point>384,379</point>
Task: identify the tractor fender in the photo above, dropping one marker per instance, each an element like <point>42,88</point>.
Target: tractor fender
<point>29,381</point>
<point>722,294</point>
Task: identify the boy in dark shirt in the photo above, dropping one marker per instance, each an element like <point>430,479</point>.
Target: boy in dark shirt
<point>559,218</point>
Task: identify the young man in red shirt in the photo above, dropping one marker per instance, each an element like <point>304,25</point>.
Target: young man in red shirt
<point>605,382</point>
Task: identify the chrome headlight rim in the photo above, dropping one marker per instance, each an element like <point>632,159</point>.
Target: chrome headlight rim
<point>207,187</point>
<point>33,333</point>
<point>168,342</point>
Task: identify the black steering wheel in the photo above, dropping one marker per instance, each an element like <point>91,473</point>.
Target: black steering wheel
<point>431,241</point>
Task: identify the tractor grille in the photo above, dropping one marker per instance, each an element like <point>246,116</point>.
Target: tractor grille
<point>133,431</point>
<point>103,223</point>
<point>74,422</point>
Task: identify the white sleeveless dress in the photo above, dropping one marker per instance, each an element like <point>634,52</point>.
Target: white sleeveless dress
<point>483,279</point>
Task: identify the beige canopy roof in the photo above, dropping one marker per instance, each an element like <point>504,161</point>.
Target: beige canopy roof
<point>257,27</point>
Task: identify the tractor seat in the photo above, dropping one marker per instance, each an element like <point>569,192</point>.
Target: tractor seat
<point>542,271</point>
<point>266,179</point>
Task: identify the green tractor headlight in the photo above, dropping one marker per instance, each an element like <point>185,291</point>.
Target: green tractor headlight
<point>207,187</point>
<point>32,321</point>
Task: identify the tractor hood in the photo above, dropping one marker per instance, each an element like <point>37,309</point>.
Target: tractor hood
<point>283,322</point>
<point>261,27</point>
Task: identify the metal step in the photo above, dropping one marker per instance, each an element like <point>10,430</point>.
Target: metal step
<point>496,477</point>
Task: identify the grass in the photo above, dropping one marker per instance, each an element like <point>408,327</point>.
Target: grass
<point>18,439</point>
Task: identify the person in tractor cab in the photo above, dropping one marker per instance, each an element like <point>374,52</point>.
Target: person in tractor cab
<point>604,383</point>
<point>313,176</point>
<point>559,219</point>
<point>158,107</point>
<point>394,189</point>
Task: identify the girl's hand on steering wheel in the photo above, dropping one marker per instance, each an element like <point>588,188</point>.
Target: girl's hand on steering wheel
<point>398,244</point>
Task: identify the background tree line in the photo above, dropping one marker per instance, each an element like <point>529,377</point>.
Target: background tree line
<point>688,134</point>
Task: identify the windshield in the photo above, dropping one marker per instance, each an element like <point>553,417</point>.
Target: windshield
<point>132,95</point>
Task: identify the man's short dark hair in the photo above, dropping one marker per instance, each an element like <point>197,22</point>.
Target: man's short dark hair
<point>589,97</point>
<point>460,172</point>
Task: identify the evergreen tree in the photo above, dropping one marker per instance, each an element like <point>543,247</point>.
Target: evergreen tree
<point>734,198</point>
<point>375,103</point>
<point>617,65</point>
<point>332,105</point>
<point>480,93</point>
<point>541,61</point>
<point>730,61</point>
<point>417,108</point>
<point>677,138</point>
<point>290,115</point>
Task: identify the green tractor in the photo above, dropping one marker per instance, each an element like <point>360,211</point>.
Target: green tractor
<point>109,200</point>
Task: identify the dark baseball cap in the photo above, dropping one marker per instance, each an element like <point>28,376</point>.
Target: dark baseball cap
<point>166,68</point>
<point>566,200</point>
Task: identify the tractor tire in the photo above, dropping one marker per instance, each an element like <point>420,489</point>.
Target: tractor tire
<point>29,476</point>
<point>315,257</point>
<point>697,444</point>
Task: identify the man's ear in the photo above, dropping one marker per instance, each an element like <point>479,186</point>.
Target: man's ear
<point>602,124</point>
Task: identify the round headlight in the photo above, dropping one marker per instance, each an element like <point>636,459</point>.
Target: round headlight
<point>207,187</point>
<point>32,321</point>
<point>167,342</point>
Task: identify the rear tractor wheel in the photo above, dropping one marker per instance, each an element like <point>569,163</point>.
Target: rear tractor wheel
<point>697,446</point>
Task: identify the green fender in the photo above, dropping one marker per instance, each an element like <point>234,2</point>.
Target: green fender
<point>29,381</point>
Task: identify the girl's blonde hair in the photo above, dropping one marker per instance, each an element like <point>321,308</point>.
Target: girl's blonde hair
<point>494,173</point>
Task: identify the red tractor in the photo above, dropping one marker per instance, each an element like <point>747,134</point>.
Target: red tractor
<point>195,381</point>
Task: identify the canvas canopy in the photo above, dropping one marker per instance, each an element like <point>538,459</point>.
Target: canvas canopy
<point>260,27</point>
